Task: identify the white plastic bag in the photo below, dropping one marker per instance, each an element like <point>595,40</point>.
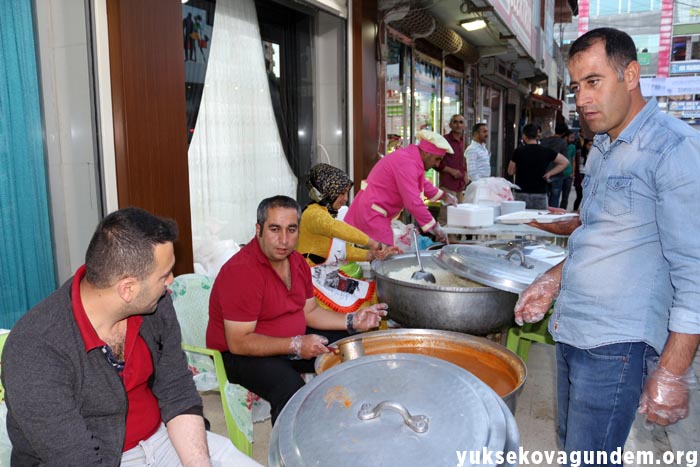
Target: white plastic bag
<point>212,252</point>
<point>489,190</point>
<point>403,235</point>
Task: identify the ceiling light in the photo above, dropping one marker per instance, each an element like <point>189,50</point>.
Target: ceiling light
<point>473,25</point>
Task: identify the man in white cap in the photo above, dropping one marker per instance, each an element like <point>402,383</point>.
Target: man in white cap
<point>398,181</point>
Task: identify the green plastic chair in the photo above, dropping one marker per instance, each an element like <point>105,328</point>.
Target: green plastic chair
<point>5,444</point>
<point>3,337</point>
<point>520,338</point>
<point>190,294</point>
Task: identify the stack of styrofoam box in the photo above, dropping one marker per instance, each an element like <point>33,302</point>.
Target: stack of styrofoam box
<point>469,215</point>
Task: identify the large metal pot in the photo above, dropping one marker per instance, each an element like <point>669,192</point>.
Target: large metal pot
<point>502,370</point>
<point>391,410</point>
<point>474,310</point>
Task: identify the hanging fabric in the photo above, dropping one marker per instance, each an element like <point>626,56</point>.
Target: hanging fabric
<point>26,255</point>
<point>235,157</point>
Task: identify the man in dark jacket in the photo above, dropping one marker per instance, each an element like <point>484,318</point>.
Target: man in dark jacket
<point>95,374</point>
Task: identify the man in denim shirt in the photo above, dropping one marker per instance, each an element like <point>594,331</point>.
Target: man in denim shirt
<point>629,290</point>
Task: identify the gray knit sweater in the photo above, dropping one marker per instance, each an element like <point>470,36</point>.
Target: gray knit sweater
<point>67,407</point>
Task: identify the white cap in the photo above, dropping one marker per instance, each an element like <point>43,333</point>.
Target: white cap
<point>436,143</point>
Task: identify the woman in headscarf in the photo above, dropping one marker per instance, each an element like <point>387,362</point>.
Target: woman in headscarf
<point>328,243</point>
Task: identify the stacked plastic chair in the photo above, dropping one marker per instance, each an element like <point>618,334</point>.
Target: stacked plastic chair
<point>520,338</point>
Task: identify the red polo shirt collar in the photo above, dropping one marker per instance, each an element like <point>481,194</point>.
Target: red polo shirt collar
<point>90,338</point>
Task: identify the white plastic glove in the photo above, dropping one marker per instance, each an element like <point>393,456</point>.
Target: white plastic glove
<point>665,397</point>
<point>307,346</point>
<point>367,318</point>
<point>449,199</point>
<point>536,300</point>
<point>440,234</point>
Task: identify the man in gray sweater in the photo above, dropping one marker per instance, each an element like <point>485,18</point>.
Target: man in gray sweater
<point>95,374</point>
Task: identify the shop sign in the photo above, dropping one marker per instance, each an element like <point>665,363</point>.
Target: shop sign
<point>684,105</point>
<point>687,66</point>
<point>675,86</point>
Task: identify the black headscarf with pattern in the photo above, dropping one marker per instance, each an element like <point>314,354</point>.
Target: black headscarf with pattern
<point>325,184</point>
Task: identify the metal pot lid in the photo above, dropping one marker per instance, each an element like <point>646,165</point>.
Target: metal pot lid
<point>389,410</point>
<point>510,271</point>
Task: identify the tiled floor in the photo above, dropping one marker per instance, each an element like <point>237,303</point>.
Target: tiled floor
<point>535,415</point>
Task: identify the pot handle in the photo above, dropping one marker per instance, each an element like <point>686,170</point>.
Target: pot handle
<point>417,423</point>
<point>523,262</point>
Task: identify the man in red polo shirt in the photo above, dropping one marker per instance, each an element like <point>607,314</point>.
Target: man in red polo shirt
<point>95,374</point>
<point>261,304</point>
<point>453,168</point>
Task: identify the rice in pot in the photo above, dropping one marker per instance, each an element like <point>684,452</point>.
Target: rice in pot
<point>443,278</point>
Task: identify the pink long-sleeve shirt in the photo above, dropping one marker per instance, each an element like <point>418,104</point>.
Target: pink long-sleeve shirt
<point>395,182</point>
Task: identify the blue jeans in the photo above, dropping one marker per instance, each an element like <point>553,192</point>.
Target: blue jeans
<point>598,393</point>
<point>554,190</point>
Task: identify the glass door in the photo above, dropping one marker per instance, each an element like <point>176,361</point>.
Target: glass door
<point>398,96</point>
<point>426,98</point>
<point>451,98</point>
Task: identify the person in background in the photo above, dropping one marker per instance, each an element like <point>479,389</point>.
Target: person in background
<point>530,166</point>
<point>558,144</point>
<point>327,242</point>
<point>263,316</point>
<point>626,321</point>
<point>453,168</point>
<point>398,181</point>
<point>328,189</point>
<point>478,156</point>
<point>580,171</point>
<point>567,174</point>
<point>95,373</point>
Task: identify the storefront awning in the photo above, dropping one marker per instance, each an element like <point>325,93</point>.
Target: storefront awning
<point>547,101</point>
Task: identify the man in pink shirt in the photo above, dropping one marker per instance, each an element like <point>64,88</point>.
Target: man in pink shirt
<point>398,181</point>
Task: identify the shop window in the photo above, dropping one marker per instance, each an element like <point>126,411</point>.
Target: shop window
<point>608,7</point>
<point>426,94</point>
<point>452,98</point>
<point>679,48</point>
<point>398,95</point>
<point>197,26</point>
<point>686,12</point>
<point>427,101</point>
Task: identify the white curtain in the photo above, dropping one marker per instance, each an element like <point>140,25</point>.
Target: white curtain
<point>235,156</point>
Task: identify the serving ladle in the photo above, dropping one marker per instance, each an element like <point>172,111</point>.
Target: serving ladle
<point>421,275</point>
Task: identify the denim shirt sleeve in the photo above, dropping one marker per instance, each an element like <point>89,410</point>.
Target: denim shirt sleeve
<point>678,187</point>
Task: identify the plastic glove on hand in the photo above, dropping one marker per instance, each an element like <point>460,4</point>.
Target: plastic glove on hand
<point>369,317</point>
<point>665,397</point>
<point>311,346</point>
<point>536,300</point>
<point>449,199</point>
<point>439,233</point>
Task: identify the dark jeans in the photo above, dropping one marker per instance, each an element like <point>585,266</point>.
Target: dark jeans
<point>565,192</point>
<point>532,200</point>
<point>275,379</point>
<point>578,184</point>
<point>598,393</point>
